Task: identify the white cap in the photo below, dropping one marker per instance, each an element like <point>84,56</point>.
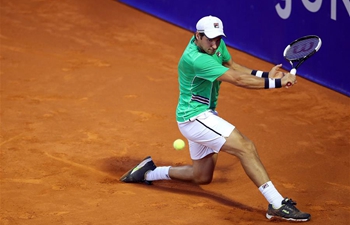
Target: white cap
<point>211,26</point>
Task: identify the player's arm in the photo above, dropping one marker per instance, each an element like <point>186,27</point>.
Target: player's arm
<point>246,80</point>
<point>235,66</point>
<point>274,73</point>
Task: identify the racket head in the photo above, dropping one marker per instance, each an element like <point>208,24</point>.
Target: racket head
<point>302,48</point>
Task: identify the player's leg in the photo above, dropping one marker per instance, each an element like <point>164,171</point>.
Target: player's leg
<point>203,169</point>
<point>239,145</point>
<point>200,172</point>
<point>204,143</point>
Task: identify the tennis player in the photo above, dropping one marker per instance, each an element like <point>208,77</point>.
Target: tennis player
<point>204,65</point>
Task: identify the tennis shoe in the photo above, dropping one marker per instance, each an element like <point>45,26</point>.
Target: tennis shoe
<point>287,211</point>
<point>137,173</point>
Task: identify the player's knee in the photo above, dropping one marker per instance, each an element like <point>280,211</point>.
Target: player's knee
<point>203,180</point>
<point>249,150</point>
<point>250,147</point>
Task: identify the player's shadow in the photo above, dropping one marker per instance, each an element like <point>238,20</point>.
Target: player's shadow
<point>118,166</point>
<point>179,187</point>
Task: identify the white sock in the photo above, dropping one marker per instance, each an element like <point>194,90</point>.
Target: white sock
<point>271,194</point>
<point>159,173</point>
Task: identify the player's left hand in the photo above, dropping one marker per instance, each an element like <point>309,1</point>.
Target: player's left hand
<point>275,72</point>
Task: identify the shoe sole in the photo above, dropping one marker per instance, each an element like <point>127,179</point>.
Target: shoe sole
<point>125,174</point>
<point>147,159</point>
<point>268,216</point>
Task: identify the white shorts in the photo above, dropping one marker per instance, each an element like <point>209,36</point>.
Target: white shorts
<point>206,133</point>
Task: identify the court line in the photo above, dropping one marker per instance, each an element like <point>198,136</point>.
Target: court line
<point>81,166</point>
<point>10,139</point>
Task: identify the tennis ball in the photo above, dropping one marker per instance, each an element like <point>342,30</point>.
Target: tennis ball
<point>179,144</point>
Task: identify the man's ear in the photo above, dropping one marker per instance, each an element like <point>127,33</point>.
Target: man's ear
<point>197,35</point>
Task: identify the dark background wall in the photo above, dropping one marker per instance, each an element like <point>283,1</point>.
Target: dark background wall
<point>264,27</point>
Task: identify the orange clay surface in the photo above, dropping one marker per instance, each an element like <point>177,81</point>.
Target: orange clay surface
<point>89,88</point>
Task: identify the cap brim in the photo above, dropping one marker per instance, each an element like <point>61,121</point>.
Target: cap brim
<point>214,34</point>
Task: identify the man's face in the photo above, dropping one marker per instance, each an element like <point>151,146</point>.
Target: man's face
<point>208,45</point>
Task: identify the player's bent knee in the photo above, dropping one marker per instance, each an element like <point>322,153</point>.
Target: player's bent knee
<point>203,180</point>
<point>250,147</point>
<point>243,148</point>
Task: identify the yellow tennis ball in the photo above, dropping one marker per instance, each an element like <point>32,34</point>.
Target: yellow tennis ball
<point>179,144</point>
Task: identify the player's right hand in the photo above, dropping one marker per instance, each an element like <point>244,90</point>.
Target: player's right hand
<point>288,78</point>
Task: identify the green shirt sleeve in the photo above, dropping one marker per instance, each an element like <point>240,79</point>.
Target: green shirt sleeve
<point>206,67</point>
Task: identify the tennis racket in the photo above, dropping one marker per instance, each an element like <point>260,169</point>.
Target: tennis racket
<point>300,50</point>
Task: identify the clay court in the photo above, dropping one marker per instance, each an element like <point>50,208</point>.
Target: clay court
<point>89,88</point>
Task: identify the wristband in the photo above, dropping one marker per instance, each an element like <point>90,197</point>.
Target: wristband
<point>272,83</point>
<point>259,73</point>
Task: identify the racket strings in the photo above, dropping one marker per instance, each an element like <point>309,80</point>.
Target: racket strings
<point>301,49</point>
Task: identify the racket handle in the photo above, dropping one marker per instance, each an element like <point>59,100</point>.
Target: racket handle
<point>292,71</point>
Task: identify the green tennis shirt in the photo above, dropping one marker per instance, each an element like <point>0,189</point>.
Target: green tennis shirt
<point>197,74</point>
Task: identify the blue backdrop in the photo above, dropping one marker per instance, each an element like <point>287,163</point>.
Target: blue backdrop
<point>263,28</point>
